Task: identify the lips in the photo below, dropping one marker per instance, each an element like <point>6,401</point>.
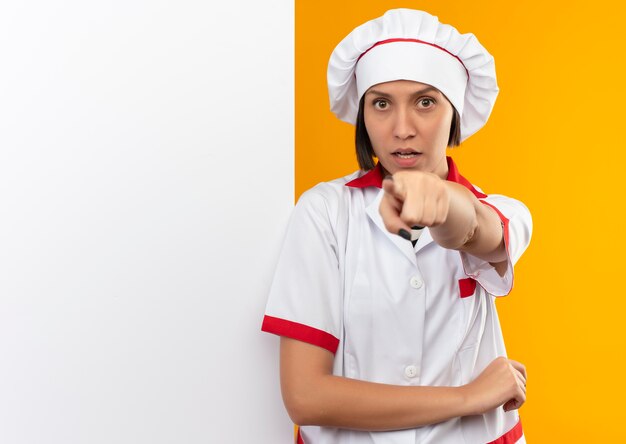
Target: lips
<point>406,153</point>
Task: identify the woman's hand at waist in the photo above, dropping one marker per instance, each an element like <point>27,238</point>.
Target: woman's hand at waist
<point>501,383</point>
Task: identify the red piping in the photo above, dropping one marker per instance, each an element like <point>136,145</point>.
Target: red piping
<point>383,42</point>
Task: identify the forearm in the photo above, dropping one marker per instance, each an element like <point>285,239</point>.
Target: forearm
<point>456,219</point>
<point>470,226</point>
<point>347,403</point>
<point>313,396</point>
<point>462,220</point>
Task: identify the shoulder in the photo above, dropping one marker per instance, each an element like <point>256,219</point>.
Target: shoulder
<point>509,207</point>
<point>327,205</point>
<point>328,195</point>
<point>517,222</point>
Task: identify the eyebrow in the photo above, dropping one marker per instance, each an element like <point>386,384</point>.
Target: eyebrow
<point>416,93</point>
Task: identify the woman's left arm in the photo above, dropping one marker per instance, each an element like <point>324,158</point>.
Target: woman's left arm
<point>455,217</point>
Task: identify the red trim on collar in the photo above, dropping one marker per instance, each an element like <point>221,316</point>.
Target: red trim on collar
<point>300,440</point>
<point>374,178</point>
<point>454,176</point>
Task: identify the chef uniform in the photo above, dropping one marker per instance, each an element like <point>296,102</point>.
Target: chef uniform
<point>392,312</point>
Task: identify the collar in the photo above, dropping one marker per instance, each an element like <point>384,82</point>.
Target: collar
<point>374,178</point>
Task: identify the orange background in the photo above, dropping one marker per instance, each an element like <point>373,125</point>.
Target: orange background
<point>555,142</point>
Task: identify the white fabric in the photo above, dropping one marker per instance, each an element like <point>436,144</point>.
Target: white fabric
<point>413,61</point>
<point>416,233</point>
<point>481,270</point>
<point>481,87</point>
<point>396,309</point>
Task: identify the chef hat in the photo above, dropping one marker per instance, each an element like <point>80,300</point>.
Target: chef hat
<point>405,44</point>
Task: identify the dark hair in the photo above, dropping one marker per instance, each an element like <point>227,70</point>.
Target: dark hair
<point>364,151</point>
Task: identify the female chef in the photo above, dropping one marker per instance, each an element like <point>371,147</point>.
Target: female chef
<point>384,291</point>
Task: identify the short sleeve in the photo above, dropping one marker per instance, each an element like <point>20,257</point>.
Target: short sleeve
<point>517,229</point>
<point>305,297</point>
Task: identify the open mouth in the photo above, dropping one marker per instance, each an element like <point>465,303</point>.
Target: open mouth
<point>406,153</point>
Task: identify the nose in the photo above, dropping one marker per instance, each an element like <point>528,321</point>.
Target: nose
<point>404,126</point>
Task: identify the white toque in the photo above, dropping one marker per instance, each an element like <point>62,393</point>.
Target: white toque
<point>406,44</point>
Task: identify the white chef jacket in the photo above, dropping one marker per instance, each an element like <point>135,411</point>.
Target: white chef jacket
<point>392,312</point>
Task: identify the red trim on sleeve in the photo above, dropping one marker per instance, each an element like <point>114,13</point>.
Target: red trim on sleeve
<point>510,437</point>
<point>505,224</point>
<point>467,287</point>
<point>301,332</point>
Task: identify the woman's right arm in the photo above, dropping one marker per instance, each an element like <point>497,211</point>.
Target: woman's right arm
<point>314,396</point>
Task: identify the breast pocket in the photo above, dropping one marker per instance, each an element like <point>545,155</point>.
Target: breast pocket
<point>467,287</point>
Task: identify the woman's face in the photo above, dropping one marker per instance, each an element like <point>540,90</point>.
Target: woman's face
<point>408,124</point>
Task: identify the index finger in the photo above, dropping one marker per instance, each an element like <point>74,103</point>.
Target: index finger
<point>394,186</point>
<point>390,210</point>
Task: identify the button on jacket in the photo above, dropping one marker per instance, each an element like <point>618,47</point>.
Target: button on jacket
<point>392,312</point>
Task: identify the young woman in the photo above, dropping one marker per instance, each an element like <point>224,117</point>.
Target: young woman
<point>384,291</point>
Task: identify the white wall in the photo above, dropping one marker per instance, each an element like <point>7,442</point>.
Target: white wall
<point>146,175</point>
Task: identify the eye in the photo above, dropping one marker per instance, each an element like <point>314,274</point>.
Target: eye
<point>381,104</point>
<point>425,102</point>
